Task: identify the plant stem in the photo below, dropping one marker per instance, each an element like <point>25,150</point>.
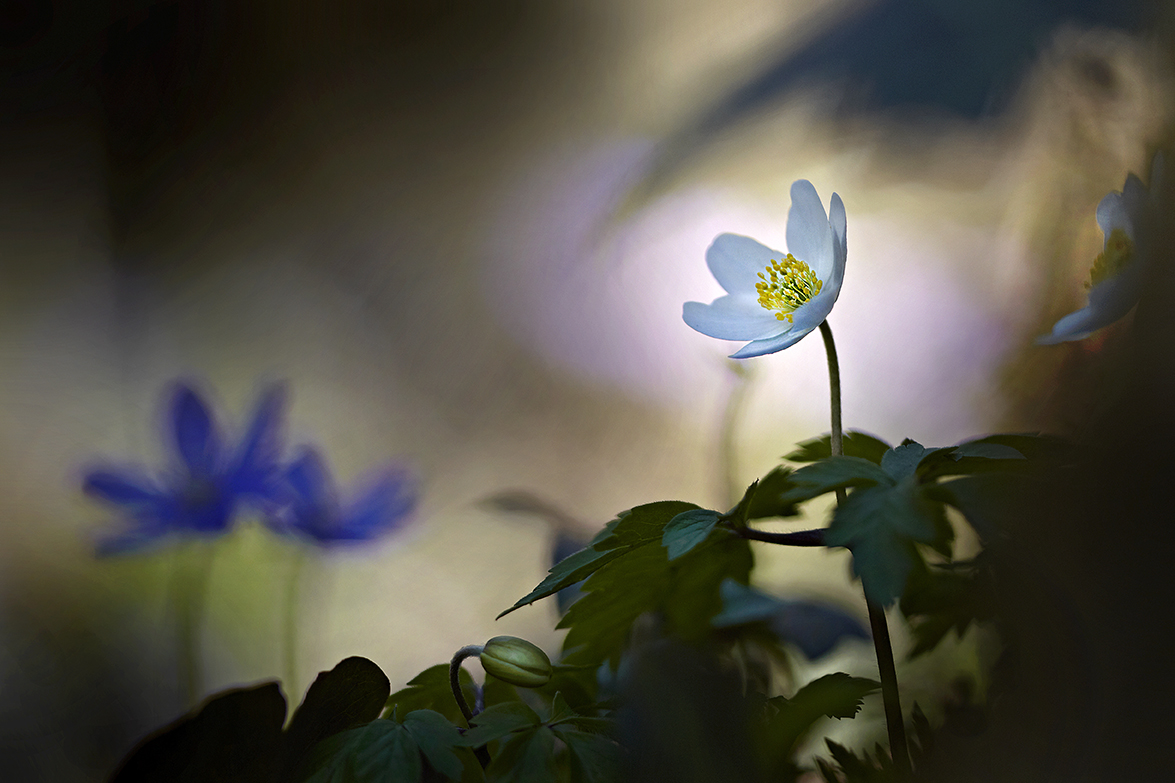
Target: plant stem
<point>455,676</point>
<point>730,417</point>
<point>290,640</point>
<point>895,725</point>
<point>192,565</point>
<point>797,538</point>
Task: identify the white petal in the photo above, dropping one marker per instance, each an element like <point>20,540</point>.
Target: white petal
<point>771,344</point>
<point>1111,214</point>
<point>809,236</point>
<point>1075,326</point>
<point>836,218</point>
<point>1109,301</point>
<point>736,261</point>
<point>735,317</point>
<point>812,313</point>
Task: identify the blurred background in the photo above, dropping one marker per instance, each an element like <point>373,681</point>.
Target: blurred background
<point>463,233</point>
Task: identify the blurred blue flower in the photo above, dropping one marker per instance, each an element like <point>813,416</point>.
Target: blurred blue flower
<point>200,491</point>
<point>312,510</point>
<point>774,299</point>
<point>1116,278</point>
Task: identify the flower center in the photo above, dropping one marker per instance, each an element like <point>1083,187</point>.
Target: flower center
<point>1110,262</point>
<point>786,285</point>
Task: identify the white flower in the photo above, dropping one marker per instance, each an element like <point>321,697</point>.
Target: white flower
<point>773,299</point>
<point>1117,275</point>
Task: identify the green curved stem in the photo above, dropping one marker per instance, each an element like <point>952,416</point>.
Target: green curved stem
<point>894,723</point>
<point>455,676</point>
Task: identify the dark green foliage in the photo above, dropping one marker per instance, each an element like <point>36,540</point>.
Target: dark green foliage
<point>390,751</point>
<point>941,598</point>
<point>525,757</point>
<point>499,720</point>
<point>237,735</point>
<point>856,444</point>
<point>683,592</point>
<point>630,530</point>
<point>430,690</point>
<point>832,474</point>
<point>788,720</point>
<point>688,529</point>
<point>767,500</point>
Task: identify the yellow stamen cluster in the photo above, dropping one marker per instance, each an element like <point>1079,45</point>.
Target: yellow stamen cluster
<point>1110,262</point>
<point>786,285</point>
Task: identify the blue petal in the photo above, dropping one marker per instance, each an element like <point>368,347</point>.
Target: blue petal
<point>814,627</point>
<point>736,261</point>
<point>771,344</point>
<point>120,488</point>
<point>256,462</point>
<point>310,479</point>
<point>379,510</point>
<point>839,223</point>
<point>196,437</point>
<point>733,317</point>
<point>809,236</point>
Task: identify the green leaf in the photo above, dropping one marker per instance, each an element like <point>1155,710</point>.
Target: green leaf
<point>525,757</point>
<point>901,461</point>
<point>856,444</point>
<point>436,737</point>
<point>380,752</point>
<point>991,502</point>
<point>688,529</point>
<point>351,694</point>
<point>880,525</point>
<point>594,757</point>
<point>235,736</point>
<point>767,499</point>
<point>632,528</point>
<point>430,690</point>
<point>499,720</point>
<point>685,592</point>
<point>939,599</point>
<point>834,473</point>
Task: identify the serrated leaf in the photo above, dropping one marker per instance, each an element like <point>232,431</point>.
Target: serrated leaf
<point>901,461</point>
<point>351,694</point>
<point>235,736</point>
<point>632,528</point>
<point>990,502</point>
<point>688,529</point>
<point>497,721</point>
<point>834,696</point>
<point>684,591</point>
<point>594,757</point>
<point>380,752</point>
<point>834,473</point>
<point>939,599</point>
<point>436,737</point>
<point>855,442</point>
<point>525,757</point>
<point>768,497</point>
<point>430,690</point>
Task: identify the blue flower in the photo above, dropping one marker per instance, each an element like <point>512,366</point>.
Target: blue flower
<point>312,509</point>
<point>1116,279</point>
<point>774,299</point>
<point>199,493</point>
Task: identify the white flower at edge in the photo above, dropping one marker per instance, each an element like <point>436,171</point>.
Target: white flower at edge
<point>1117,275</point>
<point>773,299</point>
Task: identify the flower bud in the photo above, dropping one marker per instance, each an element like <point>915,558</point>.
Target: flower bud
<point>516,661</point>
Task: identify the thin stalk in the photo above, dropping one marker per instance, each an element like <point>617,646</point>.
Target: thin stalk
<point>796,538</point>
<point>290,635</point>
<point>482,754</point>
<point>898,748</point>
<point>189,588</point>
<point>730,416</point>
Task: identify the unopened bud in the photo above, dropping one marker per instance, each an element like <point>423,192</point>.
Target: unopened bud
<point>516,661</point>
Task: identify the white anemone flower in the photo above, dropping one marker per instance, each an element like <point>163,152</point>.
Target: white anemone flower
<point>774,299</point>
<point>1117,275</point>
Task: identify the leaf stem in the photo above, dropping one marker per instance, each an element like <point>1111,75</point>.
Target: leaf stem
<point>898,748</point>
<point>797,538</point>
